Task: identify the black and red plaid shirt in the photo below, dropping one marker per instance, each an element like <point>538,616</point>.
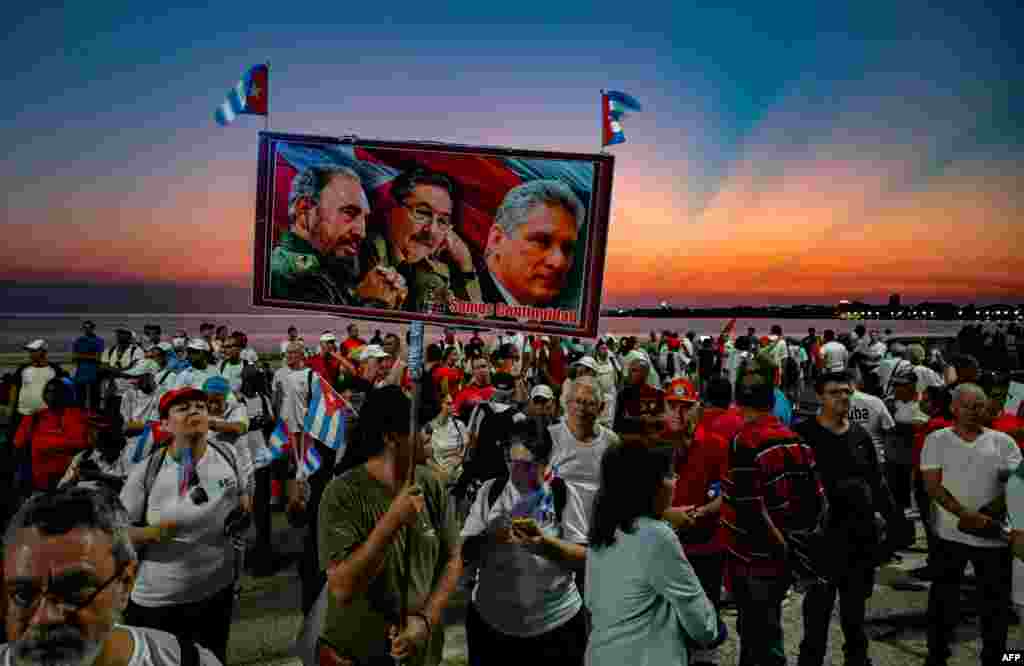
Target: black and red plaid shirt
<point>760,479</point>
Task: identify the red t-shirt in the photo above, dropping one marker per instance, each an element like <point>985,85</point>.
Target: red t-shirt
<point>55,439</point>
<point>1012,426</point>
<point>349,344</point>
<point>705,462</point>
<point>725,423</point>
<point>453,377</point>
<point>937,423</point>
<point>329,368</point>
<point>472,395</point>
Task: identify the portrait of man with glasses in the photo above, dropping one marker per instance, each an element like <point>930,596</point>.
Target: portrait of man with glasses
<point>69,567</point>
<point>420,241</point>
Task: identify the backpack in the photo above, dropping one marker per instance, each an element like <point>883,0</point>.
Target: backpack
<point>766,355</point>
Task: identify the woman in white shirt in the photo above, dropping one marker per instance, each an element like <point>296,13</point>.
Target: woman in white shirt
<point>647,605</point>
<point>447,443</point>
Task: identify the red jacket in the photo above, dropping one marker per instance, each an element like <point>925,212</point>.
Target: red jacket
<point>55,438</point>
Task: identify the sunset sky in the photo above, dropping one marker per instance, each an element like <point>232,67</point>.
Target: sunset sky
<point>787,152</point>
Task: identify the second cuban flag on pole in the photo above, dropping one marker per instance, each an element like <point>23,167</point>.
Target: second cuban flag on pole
<point>249,96</point>
<point>614,107</point>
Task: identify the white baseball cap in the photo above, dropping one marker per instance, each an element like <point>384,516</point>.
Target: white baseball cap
<point>199,344</point>
<point>328,337</point>
<point>372,351</point>
<point>36,345</point>
<point>542,391</point>
<point>587,362</point>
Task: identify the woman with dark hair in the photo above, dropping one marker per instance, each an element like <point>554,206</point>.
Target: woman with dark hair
<point>48,440</point>
<point>646,602</point>
<point>369,515</point>
<point>518,532</point>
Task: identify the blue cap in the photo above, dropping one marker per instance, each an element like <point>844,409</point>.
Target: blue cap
<point>216,386</point>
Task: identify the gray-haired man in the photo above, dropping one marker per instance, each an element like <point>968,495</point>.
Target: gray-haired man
<point>317,259</point>
<point>532,245</point>
<point>69,567</point>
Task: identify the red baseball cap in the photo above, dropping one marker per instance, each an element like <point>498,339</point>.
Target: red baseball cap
<point>681,390</point>
<point>179,395</point>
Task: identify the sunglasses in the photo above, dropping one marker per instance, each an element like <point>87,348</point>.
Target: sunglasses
<point>196,492</point>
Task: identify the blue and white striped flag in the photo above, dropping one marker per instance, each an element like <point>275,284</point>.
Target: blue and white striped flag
<point>278,440</point>
<point>143,443</point>
<point>310,462</point>
<point>248,96</point>
<point>325,419</point>
<point>615,106</point>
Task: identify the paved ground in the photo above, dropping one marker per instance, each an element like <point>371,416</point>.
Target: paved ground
<point>267,620</point>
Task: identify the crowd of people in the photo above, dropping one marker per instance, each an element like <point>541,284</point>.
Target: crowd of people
<point>598,501</point>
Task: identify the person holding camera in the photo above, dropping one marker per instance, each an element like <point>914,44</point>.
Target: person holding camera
<point>185,502</point>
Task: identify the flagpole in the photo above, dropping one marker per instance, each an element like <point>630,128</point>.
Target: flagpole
<point>266,119</point>
<point>600,121</point>
<point>415,366</point>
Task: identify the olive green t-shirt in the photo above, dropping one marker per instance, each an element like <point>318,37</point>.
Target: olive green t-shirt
<point>351,506</point>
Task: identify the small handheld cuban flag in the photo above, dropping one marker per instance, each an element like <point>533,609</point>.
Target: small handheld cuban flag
<point>326,416</point>
<point>249,96</point>
<point>614,106</point>
<point>143,443</point>
<point>279,440</point>
<point>310,463</point>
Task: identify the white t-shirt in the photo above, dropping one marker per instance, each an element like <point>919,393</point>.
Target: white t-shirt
<point>520,592</point>
<point>237,413</point>
<point>1015,512</point>
<point>579,465</point>
<point>927,377</point>
<point>870,412</point>
<point>834,355</point>
<point>277,385</point>
<point>150,647</point>
<point>969,473</point>
<point>33,381</point>
<point>255,439</point>
<point>232,372</point>
<point>447,441</point>
<point>198,562</point>
<point>123,358</point>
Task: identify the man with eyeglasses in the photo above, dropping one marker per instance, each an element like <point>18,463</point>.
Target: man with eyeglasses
<point>860,504</point>
<point>421,243</point>
<point>317,259</point>
<point>69,568</point>
<point>182,496</point>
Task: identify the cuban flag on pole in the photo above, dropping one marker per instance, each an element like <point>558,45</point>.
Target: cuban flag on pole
<point>279,440</point>
<point>326,416</point>
<point>249,96</point>
<point>614,107</point>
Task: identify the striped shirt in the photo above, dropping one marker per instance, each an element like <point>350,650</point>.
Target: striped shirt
<point>768,462</point>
